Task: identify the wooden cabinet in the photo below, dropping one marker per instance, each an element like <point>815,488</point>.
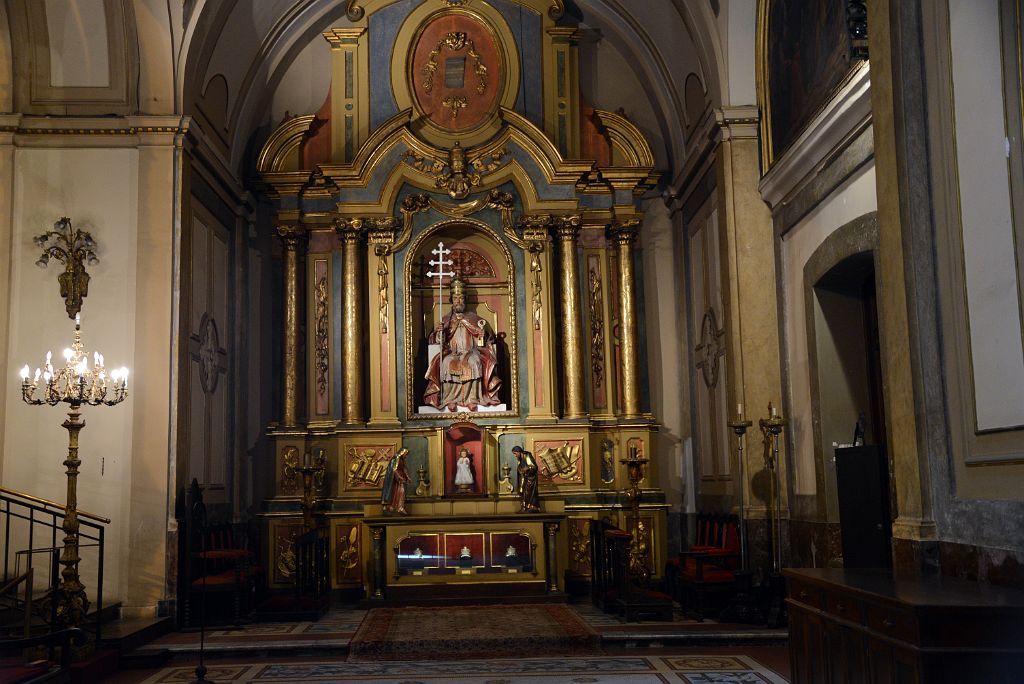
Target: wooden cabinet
<point>864,626</point>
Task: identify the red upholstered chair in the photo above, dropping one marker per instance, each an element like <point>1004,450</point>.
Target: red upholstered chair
<point>709,569</point>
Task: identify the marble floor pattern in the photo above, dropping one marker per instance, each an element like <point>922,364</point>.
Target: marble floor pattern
<point>681,669</point>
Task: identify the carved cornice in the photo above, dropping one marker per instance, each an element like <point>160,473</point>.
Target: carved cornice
<point>356,10</point>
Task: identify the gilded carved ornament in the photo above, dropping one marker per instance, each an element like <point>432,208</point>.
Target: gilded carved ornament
<point>74,248</point>
<point>497,200</point>
<point>454,175</point>
<point>596,327</point>
<point>320,364</point>
<point>355,10</point>
<point>455,41</point>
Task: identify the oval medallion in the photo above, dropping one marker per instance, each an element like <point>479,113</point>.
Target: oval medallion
<point>456,72</point>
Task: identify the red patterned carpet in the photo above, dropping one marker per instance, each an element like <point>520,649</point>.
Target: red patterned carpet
<point>472,632</point>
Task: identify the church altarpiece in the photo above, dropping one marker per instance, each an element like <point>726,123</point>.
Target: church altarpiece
<point>452,135</point>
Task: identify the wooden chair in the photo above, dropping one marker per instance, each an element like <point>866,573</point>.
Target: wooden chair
<point>215,565</point>
<point>708,569</point>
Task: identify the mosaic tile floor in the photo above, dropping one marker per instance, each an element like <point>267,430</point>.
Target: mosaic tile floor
<point>682,669</point>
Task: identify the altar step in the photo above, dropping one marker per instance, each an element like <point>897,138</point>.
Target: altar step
<point>330,637</point>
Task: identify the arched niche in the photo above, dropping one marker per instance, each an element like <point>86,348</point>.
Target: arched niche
<point>485,263</point>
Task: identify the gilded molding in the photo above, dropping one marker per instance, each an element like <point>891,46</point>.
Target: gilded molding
<point>497,200</point>
<point>512,337</point>
<point>289,464</point>
<point>455,41</point>
<point>536,282</point>
<point>320,363</point>
<point>596,328</point>
<point>283,142</point>
<point>453,174</point>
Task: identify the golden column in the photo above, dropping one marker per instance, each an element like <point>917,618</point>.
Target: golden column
<point>291,239</point>
<point>624,233</point>
<point>568,229</point>
<point>351,232</point>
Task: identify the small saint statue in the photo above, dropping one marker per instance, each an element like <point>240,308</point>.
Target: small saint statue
<point>417,552</point>
<point>510,552</point>
<point>465,552</point>
<point>392,494</point>
<point>529,493</point>
<point>464,471</point>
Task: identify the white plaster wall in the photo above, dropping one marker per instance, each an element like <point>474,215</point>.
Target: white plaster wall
<point>852,199</point>
<point>50,183</point>
<point>305,85</point>
<point>6,63</point>
<point>78,43</point>
<point>740,19</point>
<point>989,244</point>
<point>665,321</point>
<point>609,81</point>
<point>154,20</point>
<point>123,196</point>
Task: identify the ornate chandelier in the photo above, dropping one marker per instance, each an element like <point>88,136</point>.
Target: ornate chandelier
<point>75,383</point>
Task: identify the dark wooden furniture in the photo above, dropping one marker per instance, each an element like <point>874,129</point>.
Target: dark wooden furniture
<point>705,576</point>
<point>613,587</point>
<point>862,482</point>
<point>853,626</point>
<point>216,568</point>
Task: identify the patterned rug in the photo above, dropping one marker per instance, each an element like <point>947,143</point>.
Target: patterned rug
<point>693,669</point>
<point>414,633</point>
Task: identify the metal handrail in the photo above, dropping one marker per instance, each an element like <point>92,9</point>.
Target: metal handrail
<point>12,586</point>
<point>46,513</point>
<point>54,504</point>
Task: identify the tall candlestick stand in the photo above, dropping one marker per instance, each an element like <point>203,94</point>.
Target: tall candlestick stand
<point>75,385</point>
<point>771,429</point>
<point>743,607</point>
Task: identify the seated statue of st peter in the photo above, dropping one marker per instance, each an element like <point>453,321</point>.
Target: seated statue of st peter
<point>464,375</point>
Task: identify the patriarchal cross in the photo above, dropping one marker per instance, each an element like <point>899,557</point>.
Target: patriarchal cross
<point>440,264</point>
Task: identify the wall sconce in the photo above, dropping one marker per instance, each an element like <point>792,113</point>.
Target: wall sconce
<point>74,248</point>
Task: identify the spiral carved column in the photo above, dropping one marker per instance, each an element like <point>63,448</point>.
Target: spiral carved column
<point>568,229</point>
<point>292,240</point>
<point>625,234</point>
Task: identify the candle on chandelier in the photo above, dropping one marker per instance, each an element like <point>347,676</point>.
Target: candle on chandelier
<point>24,373</point>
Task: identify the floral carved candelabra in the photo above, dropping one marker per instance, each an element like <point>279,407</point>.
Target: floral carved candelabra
<point>638,563</point>
<point>74,248</point>
<point>75,384</point>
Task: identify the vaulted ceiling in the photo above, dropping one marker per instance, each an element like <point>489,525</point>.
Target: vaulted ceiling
<point>243,64</point>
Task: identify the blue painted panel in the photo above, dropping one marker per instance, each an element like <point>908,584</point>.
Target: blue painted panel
<point>418,458</point>
<point>526,27</point>
<point>383,29</point>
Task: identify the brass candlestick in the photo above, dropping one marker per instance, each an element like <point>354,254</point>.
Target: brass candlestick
<point>739,428</point>
<point>421,488</point>
<point>638,551</point>
<point>771,428</point>
<point>75,385</point>
<point>313,471</point>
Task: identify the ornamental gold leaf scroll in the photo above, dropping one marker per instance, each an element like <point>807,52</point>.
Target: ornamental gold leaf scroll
<point>455,41</point>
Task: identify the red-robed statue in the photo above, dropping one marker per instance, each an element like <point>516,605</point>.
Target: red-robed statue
<point>464,373</point>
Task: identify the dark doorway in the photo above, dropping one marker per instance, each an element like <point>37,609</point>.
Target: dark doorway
<point>851,409</point>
